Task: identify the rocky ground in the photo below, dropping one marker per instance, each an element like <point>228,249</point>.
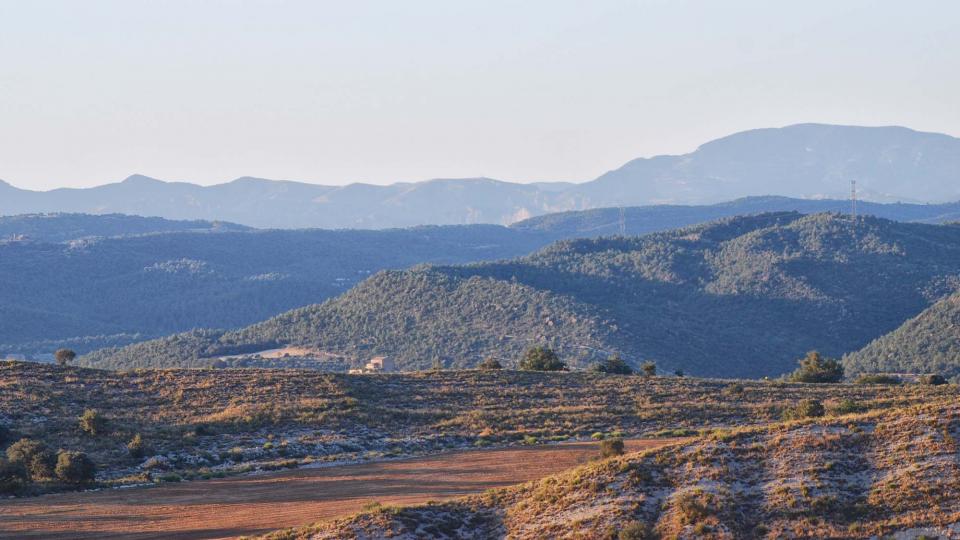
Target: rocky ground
<point>210,423</point>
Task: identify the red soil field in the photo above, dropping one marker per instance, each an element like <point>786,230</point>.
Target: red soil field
<point>229,507</point>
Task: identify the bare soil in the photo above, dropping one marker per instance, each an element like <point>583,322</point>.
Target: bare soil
<point>230,507</point>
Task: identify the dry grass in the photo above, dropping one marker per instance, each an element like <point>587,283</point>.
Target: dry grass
<point>888,473</point>
<point>202,423</point>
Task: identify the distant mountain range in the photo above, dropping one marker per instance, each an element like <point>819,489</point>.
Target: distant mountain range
<point>740,297</point>
<point>801,161</point>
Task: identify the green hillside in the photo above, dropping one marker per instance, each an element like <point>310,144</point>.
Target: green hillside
<point>927,343</point>
<point>740,297</point>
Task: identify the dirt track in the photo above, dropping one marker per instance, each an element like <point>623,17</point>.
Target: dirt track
<point>250,504</point>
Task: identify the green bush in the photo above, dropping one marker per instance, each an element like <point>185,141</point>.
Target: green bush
<point>848,406</point>
<point>541,359</point>
<point>648,368</point>
<point>807,408</point>
<point>490,364</point>
<point>64,356</point>
<point>877,378</point>
<point>92,422</point>
<point>613,365</point>
<point>13,477</point>
<point>611,447</point>
<point>75,468</point>
<point>35,458</point>
<point>817,369</point>
<point>933,380</point>
<point>635,530</point>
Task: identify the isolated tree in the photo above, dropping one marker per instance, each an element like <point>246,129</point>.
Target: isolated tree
<point>490,364</point>
<point>33,456</point>
<point>815,368</point>
<point>649,368</point>
<point>75,468</point>
<point>541,359</point>
<point>64,356</point>
<point>92,422</point>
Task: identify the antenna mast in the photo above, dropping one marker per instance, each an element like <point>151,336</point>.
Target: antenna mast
<point>853,208</point>
<point>853,199</point>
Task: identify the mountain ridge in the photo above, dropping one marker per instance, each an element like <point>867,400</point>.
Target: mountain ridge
<point>802,160</point>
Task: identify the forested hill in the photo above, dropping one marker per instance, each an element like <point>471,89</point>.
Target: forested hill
<point>92,292</point>
<point>742,297</point>
<point>89,281</point>
<point>66,227</point>
<point>927,343</point>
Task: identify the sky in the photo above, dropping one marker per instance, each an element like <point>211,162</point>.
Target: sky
<point>379,92</point>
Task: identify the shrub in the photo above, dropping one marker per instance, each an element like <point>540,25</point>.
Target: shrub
<point>614,365</point>
<point>490,364</point>
<point>807,408</point>
<point>735,389</point>
<point>817,369</point>
<point>64,356</point>
<point>878,379</point>
<point>635,530</point>
<point>611,447</point>
<point>848,406</point>
<point>92,422</point>
<point>13,477</point>
<point>34,456</point>
<point>648,368</point>
<point>541,359</point>
<point>933,379</point>
<point>135,447</point>
<point>75,468</point>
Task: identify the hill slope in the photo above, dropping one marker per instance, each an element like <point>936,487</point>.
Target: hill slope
<point>228,281</point>
<point>927,343</point>
<point>806,160</point>
<point>742,297</point>
<point>892,474</point>
<point>163,283</point>
<point>66,227</point>
<point>199,419</point>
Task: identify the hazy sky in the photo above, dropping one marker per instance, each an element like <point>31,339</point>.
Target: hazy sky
<point>337,92</point>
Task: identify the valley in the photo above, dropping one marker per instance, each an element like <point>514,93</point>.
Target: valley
<point>225,508</point>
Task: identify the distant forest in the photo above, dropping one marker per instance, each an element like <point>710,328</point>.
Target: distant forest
<point>741,297</point>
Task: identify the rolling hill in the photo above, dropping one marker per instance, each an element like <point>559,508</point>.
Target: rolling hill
<point>233,280</point>
<point>94,292</point>
<point>884,475</point>
<point>56,228</point>
<point>805,161</point>
<point>927,343</point>
<point>740,297</point>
